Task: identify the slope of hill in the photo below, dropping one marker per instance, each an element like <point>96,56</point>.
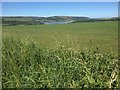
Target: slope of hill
<point>47,19</point>
<point>20,20</point>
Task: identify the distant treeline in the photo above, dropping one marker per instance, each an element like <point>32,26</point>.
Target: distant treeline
<point>13,22</point>
<point>97,20</point>
<point>41,20</point>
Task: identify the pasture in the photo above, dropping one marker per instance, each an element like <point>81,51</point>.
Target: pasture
<point>71,55</point>
<point>76,35</point>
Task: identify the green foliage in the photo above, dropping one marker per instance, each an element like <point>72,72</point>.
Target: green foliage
<point>97,20</point>
<point>40,20</point>
<point>27,65</point>
<point>44,19</point>
<point>15,22</point>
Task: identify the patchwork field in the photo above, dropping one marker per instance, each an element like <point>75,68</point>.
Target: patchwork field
<point>65,55</point>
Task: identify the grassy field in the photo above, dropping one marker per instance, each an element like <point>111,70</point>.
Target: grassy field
<point>77,35</point>
<point>55,56</point>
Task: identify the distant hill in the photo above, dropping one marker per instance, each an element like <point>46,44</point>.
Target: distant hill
<point>22,20</point>
<point>47,19</point>
<point>66,18</point>
<point>98,20</point>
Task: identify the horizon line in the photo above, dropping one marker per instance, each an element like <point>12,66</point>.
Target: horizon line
<point>53,16</point>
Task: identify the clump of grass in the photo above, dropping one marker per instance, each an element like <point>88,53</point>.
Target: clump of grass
<point>26,65</point>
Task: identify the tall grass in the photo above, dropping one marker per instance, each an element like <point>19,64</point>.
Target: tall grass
<point>27,65</point>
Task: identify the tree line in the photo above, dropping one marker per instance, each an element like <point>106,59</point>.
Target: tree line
<point>13,22</point>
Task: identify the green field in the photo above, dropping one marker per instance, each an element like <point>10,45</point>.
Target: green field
<point>71,55</point>
<point>77,35</point>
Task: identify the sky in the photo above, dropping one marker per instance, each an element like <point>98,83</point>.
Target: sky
<point>46,9</point>
<point>60,0</point>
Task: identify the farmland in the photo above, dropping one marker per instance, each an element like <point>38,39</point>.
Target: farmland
<point>65,55</point>
<point>77,35</point>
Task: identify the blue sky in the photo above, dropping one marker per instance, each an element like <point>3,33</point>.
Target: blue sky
<point>90,9</point>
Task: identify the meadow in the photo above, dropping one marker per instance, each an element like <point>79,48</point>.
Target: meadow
<point>65,55</point>
<point>77,35</point>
